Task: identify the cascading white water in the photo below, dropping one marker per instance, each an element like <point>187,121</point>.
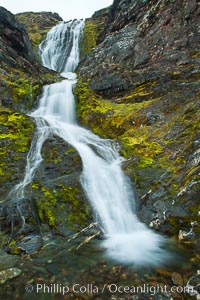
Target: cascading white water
<point>107,188</point>
<point>59,50</point>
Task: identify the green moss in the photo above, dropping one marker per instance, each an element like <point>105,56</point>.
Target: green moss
<point>92,31</point>
<point>24,89</point>
<point>37,27</point>
<point>105,117</point>
<point>140,92</point>
<point>47,205</point>
<point>77,210</point>
<point>13,248</point>
<point>89,38</point>
<point>2,173</point>
<point>145,162</point>
<point>15,138</point>
<point>61,206</point>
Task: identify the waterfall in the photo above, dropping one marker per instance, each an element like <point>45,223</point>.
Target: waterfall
<point>109,191</point>
<point>59,51</point>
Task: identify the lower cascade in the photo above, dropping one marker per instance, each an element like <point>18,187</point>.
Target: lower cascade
<point>109,191</point>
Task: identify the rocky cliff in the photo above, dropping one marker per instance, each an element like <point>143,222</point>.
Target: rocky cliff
<point>154,37</point>
<point>140,86</point>
<point>21,80</point>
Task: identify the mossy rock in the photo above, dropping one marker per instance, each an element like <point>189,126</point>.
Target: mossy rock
<point>56,190</point>
<point>62,207</point>
<point>92,31</point>
<point>16,131</point>
<point>159,136</point>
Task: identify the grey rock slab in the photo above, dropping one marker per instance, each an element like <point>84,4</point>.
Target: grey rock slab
<point>9,274</point>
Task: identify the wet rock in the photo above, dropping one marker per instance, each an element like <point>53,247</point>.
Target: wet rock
<point>53,269</point>
<point>177,279</point>
<point>153,118</point>
<point>9,274</point>
<point>7,261</point>
<point>186,235</point>
<point>30,243</point>
<point>155,224</point>
<point>193,285</point>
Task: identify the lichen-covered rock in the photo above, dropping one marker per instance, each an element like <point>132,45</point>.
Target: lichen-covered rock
<point>92,31</point>
<point>16,131</point>
<point>56,189</point>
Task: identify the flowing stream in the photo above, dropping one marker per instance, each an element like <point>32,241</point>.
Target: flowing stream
<point>109,191</point>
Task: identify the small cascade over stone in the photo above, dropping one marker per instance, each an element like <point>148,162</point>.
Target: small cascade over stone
<point>109,191</point>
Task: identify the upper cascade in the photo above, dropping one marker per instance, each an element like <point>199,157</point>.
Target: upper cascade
<point>59,51</point>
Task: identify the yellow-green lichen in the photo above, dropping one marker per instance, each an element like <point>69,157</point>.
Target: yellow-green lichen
<point>62,206</point>
<point>91,32</point>
<point>15,138</point>
<point>106,117</point>
<point>89,38</point>
<point>77,210</point>
<point>47,205</point>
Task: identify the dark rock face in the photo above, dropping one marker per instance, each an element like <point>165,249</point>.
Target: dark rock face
<point>143,36</point>
<point>14,38</point>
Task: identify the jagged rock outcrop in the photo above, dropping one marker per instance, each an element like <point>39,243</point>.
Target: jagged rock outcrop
<point>14,38</point>
<point>153,37</point>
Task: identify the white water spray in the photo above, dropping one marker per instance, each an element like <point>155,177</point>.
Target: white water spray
<point>107,188</point>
